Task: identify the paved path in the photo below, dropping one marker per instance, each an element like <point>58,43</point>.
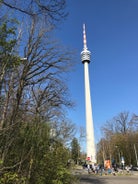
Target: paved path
<point>86,178</point>
<point>90,179</point>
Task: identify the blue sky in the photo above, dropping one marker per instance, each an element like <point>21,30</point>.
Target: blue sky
<point>112,37</point>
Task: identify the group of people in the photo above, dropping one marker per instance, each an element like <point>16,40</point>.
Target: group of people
<point>101,169</point>
<point>94,168</point>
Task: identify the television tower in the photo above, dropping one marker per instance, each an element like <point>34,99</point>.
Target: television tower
<point>85,58</point>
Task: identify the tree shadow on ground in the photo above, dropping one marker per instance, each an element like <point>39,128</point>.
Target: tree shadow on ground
<point>87,179</point>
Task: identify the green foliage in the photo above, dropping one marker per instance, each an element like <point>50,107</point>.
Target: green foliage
<point>63,176</point>
<point>36,157</point>
<point>121,135</point>
<point>7,43</point>
<point>12,178</point>
<point>75,150</point>
<point>51,167</point>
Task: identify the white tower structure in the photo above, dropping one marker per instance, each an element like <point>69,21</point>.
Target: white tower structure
<point>85,58</point>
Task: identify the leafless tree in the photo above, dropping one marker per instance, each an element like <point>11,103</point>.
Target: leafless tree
<point>135,121</point>
<point>120,133</point>
<point>122,123</point>
<point>35,90</point>
<point>45,63</point>
<point>49,10</point>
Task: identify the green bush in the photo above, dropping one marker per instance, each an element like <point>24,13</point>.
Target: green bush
<point>12,178</point>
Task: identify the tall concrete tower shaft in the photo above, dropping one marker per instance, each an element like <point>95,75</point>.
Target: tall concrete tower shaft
<point>85,57</point>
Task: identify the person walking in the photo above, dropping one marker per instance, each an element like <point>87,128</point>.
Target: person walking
<point>88,167</point>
